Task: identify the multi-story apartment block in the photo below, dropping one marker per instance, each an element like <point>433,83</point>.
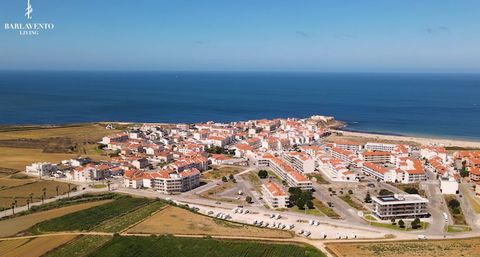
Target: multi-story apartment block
<point>400,206</point>
<point>301,162</point>
<point>274,195</point>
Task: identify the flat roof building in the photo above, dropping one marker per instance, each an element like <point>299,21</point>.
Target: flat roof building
<point>400,206</point>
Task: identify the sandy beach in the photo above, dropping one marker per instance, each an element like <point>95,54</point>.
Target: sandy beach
<point>418,140</point>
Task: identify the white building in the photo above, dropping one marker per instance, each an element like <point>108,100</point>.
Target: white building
<point>380,147</point>
<point>301,162</point>
<point>289,174</point>
<point>41,168</point>
<point>170,182</point>
<point>380,173</point>
<point>448,186</point>
<point>400,206</point>
<point>274,195</point>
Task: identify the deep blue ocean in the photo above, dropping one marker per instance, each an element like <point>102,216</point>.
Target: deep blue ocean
<point>446,105</point>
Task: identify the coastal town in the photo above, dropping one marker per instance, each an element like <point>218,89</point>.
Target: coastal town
<point>303,175</point>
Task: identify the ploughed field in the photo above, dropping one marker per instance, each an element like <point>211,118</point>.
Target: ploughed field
<point>32,246</point>
<point>438,248</point>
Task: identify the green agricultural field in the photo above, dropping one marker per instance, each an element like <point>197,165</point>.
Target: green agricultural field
<point>89,218</point>
<point>82,246</point>
<point>197,247</point>
<point>120,223</point>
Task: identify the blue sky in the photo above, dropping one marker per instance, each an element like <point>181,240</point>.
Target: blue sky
<point>316,35</point>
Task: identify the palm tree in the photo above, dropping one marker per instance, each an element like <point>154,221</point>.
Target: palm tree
<point>108,184</point>
<point>13,208</point>
<point>56,190</point>
<point>28,204</point>
<point>44,190</point>
<point>31,197</point>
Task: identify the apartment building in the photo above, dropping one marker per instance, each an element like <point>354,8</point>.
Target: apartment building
<point>289,174</point>
<point>345,155</point>
<point>41,168</point>
<point>376,156</point>
<point>474,173</point>
<point>274,195</point>
<point>379,172</point>
<point>133,179</point>
<point>413,170</point>
<point>380,147</point>
<point>170,182</point>
<point>400,206</point>
<point>349,145</point>
<point>301,162</point>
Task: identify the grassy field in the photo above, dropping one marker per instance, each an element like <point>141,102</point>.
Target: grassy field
<point>197,247</point>
<point>403,187</point>
<point>408,227</point>
<point>210,194</point>
<point>119,224</point>
<point>90,217</point>
<point>325,209</point>
<point>472,199</point>
<point>438,248</point>
<point>313,211</point>
<point>354,204</point>
<point>20,190</point>
<point>318,178</point>
<point>37,246</point>
<point>458,217</point>
<point>82,246</point>
<point>217,172</point>
<point>175,220</point>
<point>18,158</point>
<point>23,145</point>
<point>10,227</point>
<point>458,228</point>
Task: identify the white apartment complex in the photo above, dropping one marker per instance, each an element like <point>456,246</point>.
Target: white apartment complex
<point>274,195</point>
<point>400,206</point>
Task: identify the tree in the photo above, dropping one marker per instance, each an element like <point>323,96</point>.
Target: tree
<point>224,179</point>
<point>415,223</point>
<point>248,199</point>
<point>310,204</point>
<point>231,177</point>
<point>453,204</point>
<point>368,198</point>
<point>262,174</point>
<point>28,204</point>
<point>464,172</point>
<point>393,221</point>
<point>44,190</point>
<point>56,190</point>
<point>300,203</point>
<point>385,192</point>
<point>411,190</point>
<point>31,197</point>
<point>350,192</point>
<point>401,223</point>
<point>234,180</point>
